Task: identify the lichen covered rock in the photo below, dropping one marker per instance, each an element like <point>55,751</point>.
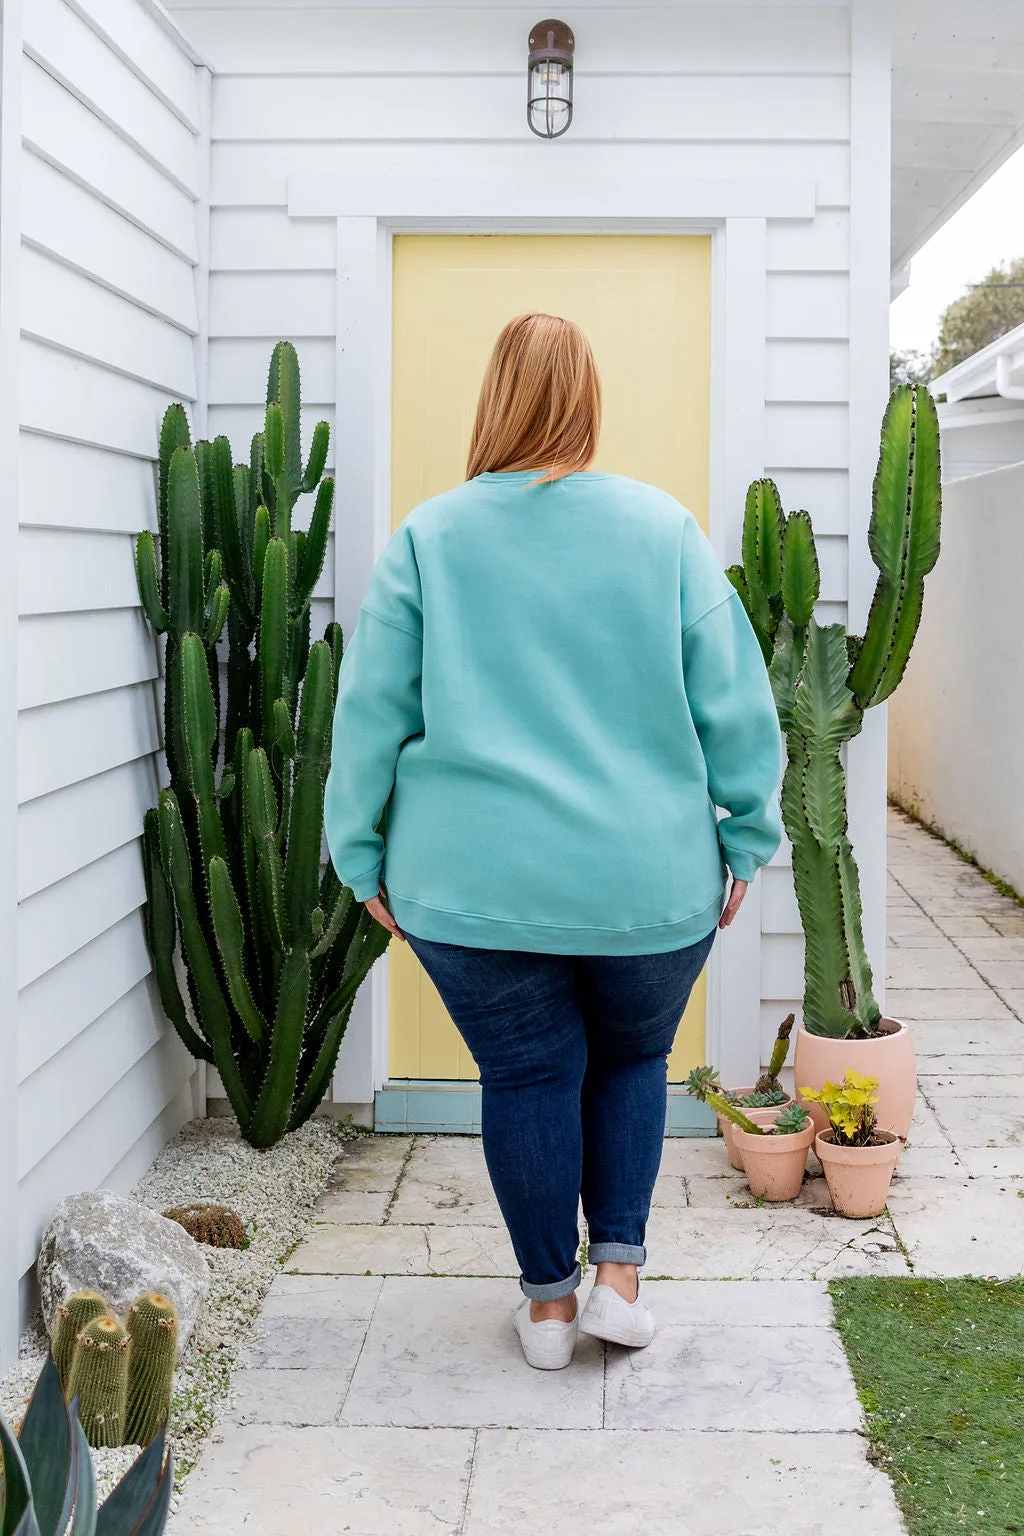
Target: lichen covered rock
<point>98,1241</point>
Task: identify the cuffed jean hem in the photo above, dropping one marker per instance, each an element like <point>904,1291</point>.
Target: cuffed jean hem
<point>616,1253</point>
<point>556,1289</point>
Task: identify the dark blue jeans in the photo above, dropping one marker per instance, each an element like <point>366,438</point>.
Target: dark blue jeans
<point>572,1055</point>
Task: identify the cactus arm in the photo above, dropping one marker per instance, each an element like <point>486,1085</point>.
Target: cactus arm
<point>780,1050</point>
<point>284,734</point>
<point>273,633</point>
<point>903,537</point>
<point>801,576</point>
<point>161,934</point>
<point>763,522</point>
<point>274,1105</point>
<point>261,534</point>
<point>283,390</point>
<point>183,554</point>
<point>863,1001</point>
<point>334,923</point>
<point>335,639</point>
<point>230,934</point>
<point>369,942</point>
<point>317,456</point>
<point>200,743</point>
<point>306,818</point>
<point>174,433</point>
<point>217,614</point>
<point>149,581</point>
<point>263,817</point>
<point>315,549</point>
<point>211,1008</point>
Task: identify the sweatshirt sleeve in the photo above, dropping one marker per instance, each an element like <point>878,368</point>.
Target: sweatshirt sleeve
<point>734,713</point>
<point>379,708</point>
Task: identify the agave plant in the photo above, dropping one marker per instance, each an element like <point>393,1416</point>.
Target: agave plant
<point>48,1483</point>
<point>274,949</point>
<point>824,679</point>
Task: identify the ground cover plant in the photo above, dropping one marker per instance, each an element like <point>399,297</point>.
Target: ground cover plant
<point>939,1366</point>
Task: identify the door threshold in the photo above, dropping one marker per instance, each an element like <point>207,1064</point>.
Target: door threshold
<point>406,1106</point>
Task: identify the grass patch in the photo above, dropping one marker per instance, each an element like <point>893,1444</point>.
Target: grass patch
<point>939,1366</point>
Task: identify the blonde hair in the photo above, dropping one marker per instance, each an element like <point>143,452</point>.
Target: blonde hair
<point>540,401</point>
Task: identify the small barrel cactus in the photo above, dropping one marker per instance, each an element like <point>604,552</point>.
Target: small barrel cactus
<point>99,1380</point>
<point>216,1225</point>
<point>72,1316</point>
<point>153,1331</point>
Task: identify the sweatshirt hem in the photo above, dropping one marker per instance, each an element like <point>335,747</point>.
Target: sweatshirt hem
<point>439,925</point>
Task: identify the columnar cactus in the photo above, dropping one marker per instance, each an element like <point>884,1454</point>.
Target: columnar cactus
<point>153,1331</point>
<point>274,949</point>
<point>823,680</point>
<point>72,1316</point>
<point>99,1380</point>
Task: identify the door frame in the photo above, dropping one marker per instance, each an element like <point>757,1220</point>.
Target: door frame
<point>369,213</point>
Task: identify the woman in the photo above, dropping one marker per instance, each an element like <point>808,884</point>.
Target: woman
<point>551,687</point>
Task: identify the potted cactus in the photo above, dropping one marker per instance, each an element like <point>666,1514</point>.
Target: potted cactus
<point>274,947</point>
<point>772,1148</point>
<point>766,1094</point>
<point>823,680</point>
<point>856,1156</point>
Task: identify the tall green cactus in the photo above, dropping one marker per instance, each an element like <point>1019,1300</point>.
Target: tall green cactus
<point>274,949</point>
<point>823,680</point>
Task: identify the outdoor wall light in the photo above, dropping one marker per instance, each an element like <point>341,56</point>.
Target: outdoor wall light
<point>549,79</point>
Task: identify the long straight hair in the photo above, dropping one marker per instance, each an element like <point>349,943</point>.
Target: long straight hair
<point>540,401</point>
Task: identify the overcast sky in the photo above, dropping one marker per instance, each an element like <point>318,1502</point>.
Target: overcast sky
<point>987,230</point>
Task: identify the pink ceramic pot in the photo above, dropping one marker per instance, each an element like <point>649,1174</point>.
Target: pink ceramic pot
<point>858,1178</point>
<point>757,1115</point>
<point>774,1165</point>
<point>889,1057</point>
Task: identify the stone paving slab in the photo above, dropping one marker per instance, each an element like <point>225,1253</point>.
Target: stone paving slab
<point>443,1352</point>
<point>960,1226</point>
<point>262,1480</point>
<point>654,1482</point>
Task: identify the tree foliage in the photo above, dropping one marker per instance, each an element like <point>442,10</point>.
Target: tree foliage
<point>984,313</point>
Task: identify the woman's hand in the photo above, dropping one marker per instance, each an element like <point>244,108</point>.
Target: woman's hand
<point>379,912</point>
<point>737,892</point>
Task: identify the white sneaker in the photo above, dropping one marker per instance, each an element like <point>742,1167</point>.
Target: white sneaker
<point>607,1315</point>
<point>547,1345</point>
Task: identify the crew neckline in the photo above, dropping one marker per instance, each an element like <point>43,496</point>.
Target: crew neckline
<point>515,476</point>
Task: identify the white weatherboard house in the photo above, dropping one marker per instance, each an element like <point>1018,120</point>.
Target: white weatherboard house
<point>725,214</point>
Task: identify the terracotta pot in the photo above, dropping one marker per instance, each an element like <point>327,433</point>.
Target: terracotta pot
<point>890,1058</point>
<point>774,1165</point>
<point>757,1115</point>
<point>858,1178</point>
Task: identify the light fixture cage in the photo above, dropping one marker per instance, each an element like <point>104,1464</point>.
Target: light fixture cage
<point>549,79</point>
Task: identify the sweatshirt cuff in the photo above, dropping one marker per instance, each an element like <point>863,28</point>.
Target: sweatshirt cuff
<point>365,886</point>
<point>743,866</point>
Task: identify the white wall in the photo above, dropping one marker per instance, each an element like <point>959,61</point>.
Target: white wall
<point>956,735</point>
<point>716,91</point>
<point>110,175</point>
<point>979,435</point>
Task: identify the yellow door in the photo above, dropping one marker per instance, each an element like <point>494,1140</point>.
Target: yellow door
<point>645,303</point>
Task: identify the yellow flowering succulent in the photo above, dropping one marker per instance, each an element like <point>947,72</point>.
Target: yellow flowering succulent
<point>848,1107</point>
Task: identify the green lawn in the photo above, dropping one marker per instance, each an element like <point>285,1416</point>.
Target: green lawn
<point>939,1366</point>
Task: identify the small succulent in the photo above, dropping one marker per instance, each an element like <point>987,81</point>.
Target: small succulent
<point>48,1478</point>
<point>765,1099</point>
<point>215,1225</point>
<point>793,1119</point>
<point>703,1084</point>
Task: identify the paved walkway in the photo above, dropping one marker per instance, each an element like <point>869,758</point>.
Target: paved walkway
<point>385,1394</point>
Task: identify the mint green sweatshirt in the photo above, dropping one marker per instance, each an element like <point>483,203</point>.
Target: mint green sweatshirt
<point>551,688</point>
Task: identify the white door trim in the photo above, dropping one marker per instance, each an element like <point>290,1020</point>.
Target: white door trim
<point>363,372</point>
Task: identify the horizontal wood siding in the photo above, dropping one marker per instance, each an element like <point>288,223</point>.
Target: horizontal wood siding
<point>111,170</point>
<point>720,90</point>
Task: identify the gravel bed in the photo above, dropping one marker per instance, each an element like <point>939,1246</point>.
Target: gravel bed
<point>275,1193</point>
